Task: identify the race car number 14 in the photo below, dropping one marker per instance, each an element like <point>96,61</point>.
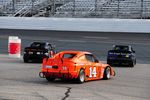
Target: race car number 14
<point>92,72</point>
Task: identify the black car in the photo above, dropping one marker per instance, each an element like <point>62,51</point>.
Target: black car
<point>121,54</point>
<point>37,51</point>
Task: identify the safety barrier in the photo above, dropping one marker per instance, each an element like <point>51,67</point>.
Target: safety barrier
<point>76,24</point>
<point>14,46</point>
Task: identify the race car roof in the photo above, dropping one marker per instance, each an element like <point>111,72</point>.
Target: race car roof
<point>74,51</point>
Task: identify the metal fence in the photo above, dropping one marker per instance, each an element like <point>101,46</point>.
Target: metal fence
<point>76,8</point>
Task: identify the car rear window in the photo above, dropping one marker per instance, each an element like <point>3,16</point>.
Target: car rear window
<point>69,55</point>
<point>124,48</point>
<point>39,45</point>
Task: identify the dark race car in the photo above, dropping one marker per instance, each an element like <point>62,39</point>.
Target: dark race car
<point>122,55</point>
<point>37,51</point>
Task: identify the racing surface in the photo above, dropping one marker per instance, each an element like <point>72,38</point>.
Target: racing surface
<point>20,81</point>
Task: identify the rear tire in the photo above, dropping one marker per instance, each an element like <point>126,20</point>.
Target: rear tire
<point>25,60</point>
<point>50,78</point>
<point>131,64</point>
<point>108,62</point>
<point>81,77</point>
<point>107,73</point>
<point>135,62</point>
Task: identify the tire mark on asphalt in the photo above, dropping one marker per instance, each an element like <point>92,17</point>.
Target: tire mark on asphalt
<point>5,99</point>
<point>67,93</point>
<point>22,94</point>
<point>43,98</point>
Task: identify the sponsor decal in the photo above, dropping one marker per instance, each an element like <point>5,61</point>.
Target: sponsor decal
<point>48,66</point>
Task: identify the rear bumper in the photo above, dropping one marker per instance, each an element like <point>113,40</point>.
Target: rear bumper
<point>119,61</point>
<point>34,57</point>
<point>60,74</point>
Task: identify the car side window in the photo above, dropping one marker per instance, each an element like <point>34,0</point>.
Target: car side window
<point>82,58</point>
<point>69,55</point>
<point>132,49</point>
<point>49,46</point>
<point>90,58</point>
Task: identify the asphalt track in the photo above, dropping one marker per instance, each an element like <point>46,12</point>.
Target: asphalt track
<point>20,81</point>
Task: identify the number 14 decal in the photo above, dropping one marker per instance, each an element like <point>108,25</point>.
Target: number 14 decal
<point>92,72</point>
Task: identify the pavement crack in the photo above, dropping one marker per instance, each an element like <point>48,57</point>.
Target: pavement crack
<point>43,98</point>
<point>67,93</point>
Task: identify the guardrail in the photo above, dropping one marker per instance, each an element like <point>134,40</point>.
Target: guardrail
<point>76,24</point>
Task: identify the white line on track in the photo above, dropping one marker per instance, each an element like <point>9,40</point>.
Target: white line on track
<point>4,37</point>
<point>79,41</point>
<point>94,37</point>
<point>121,42</point>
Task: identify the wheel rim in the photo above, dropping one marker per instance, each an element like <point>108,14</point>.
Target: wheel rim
<point>82,77</point>
<point>108,73</point>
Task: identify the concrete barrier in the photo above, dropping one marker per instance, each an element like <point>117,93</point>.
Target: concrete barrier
<point>76,24</point>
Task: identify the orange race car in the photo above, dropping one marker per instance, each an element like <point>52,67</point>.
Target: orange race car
<point>79,65</point>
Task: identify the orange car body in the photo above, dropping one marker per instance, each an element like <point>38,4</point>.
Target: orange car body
<point>68,64</point>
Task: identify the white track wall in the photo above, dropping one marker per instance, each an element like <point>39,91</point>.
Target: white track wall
<point>76,24</point>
